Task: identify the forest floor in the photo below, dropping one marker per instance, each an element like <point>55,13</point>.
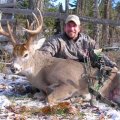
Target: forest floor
<point>20,101</point>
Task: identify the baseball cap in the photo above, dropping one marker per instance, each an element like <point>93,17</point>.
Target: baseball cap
<point>73,18</point>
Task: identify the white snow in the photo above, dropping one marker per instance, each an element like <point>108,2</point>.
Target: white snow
<point>13,82</point>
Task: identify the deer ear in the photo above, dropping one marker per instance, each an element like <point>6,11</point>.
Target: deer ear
<point>38,44</point>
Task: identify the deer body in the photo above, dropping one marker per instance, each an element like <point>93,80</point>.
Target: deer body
<point>58,78</point>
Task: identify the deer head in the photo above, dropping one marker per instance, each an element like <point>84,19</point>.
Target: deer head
<point>23,52</point>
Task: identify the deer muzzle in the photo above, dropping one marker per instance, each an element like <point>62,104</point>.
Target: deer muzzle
<point>15,68</point>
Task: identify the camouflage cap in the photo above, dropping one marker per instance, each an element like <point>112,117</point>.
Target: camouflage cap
<point>73,18</point>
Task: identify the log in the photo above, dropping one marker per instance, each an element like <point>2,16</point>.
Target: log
<point>9,5</point>
<point>61,16</point>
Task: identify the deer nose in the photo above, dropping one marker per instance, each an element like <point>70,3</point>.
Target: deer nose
<point>14,69</point>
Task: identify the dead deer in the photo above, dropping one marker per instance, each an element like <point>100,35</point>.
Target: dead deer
<point>58,78</point>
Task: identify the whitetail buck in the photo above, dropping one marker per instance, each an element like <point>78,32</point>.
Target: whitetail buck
<point>58,78</point>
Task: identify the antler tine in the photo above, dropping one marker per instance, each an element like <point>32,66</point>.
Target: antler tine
<point>36,18</point>
<point>39,23</point>
<point>31,26</point>
<point>28,24</point>
<point>2,32</point>
<point>7,34</point>
<point>10,34</point>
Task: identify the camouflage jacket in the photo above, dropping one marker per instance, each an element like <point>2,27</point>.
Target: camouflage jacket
<point>63,47</point>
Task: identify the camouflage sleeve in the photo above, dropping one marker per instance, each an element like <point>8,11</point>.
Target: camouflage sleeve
<point>93,45</point>
<point>108,62</point>
<point>51,46</point>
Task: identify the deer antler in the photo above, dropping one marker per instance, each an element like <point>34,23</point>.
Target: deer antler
<point>10,34</point>
<point>7,34</point>
<point>39,24</point>
<point>2,32</point>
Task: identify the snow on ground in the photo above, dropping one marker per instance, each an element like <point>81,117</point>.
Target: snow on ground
<point>17,91</point>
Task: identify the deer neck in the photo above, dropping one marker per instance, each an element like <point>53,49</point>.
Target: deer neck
<point>38,62</point>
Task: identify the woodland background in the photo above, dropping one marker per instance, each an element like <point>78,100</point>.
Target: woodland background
<point>100,18</point>
<point>104,15</point>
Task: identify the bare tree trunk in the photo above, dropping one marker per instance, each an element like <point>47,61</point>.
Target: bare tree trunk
<point>105,30</point>
<point>96,26</point>
<point>31,4</point>
<point>67,6</point>
<point>80,11</point>
<point>34,4</point>
<point>66,12</point>
<point>79,7</point>
<point>111,29</point>
<point>118,30</point>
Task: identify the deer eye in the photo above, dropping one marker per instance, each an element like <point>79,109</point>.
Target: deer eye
<point>25,55</point>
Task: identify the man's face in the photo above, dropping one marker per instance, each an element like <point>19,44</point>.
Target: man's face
<point>72,30</point>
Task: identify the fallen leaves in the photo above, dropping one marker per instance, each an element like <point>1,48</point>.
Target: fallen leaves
<point>18,109</point>
<point>2,86</point>
<point>60,108</point>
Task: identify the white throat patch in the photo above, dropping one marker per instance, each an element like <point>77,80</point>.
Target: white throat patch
<point>28,71</point>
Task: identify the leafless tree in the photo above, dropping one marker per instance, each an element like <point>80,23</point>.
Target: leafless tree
<point>105,30</point>
<point>96,26</point>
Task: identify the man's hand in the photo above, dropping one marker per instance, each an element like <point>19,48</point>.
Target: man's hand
<point>97,51</point>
